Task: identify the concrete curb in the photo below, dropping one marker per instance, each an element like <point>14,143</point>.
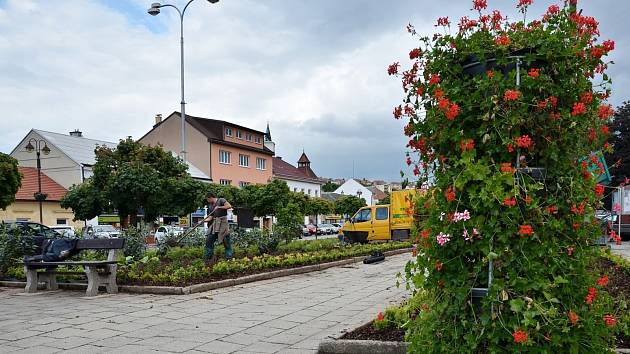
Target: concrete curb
<point>199,288</point>
<point>346,346</point>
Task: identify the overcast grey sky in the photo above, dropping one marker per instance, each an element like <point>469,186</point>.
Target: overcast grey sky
<point>316,70</point>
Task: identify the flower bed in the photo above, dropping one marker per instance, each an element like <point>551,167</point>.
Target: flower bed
<point>181,267</point>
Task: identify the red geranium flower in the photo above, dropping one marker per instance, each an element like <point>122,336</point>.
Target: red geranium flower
<point>480,4</point>
<point>490,74</point>
<point>443,103</point>
<point>415,53</point>
<point>467,144</point>
<point>605,130</point>
<point>570,251</point>
<point>610,320</point>
<point>603,280</point>
<point>506,167</point>
<point>573,317</point>
<point>599,190</point>
<point>510,147</point>
<point>511,95</point>
<point>443,21</point>
<point>525,230</point>
<point>524,142</point>
<point>578,108</point>
<point>553,9</point>
<point>534,73</point>
<point>408,161</point>
<point>552,209</point>
<point>393,68</point>
<point>434,79</point>
<point>397,112</point>
<point>380,316</point>
<point>502,40</point>
<point>425,233</point>
<point>438,93</point>
<point>509,202</point>
<point>590,297</point>
<point>609,45</point>
<point>453,111</point>
<point>605,111</point>
<point>450,194</point>
<point>586,97</point>
<point>520,336</point>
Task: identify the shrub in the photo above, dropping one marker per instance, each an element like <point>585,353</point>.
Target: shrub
<point>135,241</point>
<point>483,104</point>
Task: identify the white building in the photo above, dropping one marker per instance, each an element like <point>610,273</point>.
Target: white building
<point>71,156</point>
<point>352,187</point>
<point>300,179</point>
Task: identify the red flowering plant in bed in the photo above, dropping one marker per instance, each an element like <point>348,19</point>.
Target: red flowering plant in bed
<point>487,102</point>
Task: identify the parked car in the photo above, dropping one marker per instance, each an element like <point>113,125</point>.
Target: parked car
<point>325,229</point>
<point>164,231</point>
<point>309,230</point>
<point>101,231</point>
<point>336,227</point>
<point>32,233</point>
<point>64,230</point>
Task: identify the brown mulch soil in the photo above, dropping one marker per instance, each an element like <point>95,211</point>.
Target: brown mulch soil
<point>368,332</point>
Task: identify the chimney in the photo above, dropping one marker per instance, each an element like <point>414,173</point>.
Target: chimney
<point>76,133</point>
<point>158,119</point>
<point>279,157</point>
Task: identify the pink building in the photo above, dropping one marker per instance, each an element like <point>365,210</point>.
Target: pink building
<point>226,152</point>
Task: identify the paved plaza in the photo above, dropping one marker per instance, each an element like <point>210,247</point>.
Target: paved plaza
<point>285,315</point>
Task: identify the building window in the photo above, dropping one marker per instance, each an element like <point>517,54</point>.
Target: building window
<point>22,219</point>
<point>239,134</point>
<point>62,221</point>
<point>225,182</point>
<point>295,189</point>
<point>225,157</point>
<point>248,137</point>
<point>243,184</point>
<point>309,192</point>
<point>258,140</point>
<point>243,160</point>
<point>302,190</point>
<point>228,131</point>
<point>261,163</point>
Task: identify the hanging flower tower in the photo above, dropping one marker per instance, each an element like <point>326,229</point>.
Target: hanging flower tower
<point>506,119</point>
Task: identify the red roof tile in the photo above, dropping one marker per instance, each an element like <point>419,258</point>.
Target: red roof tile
<point>284,169</point>
<point>29,186</point>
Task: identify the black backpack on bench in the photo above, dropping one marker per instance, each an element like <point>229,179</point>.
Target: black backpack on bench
<point>55,250</point>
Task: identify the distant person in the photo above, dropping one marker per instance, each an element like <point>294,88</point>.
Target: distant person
<point>219,228</point>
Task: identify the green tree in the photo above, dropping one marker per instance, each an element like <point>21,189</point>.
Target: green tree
<point>268,199</point>
<point>348,205</point>
<point>330,186</point>
<point>10,180</point>
<point>289,223</point>
<point>132,177</point>
<point>319,206</point>
<point>620,140</point>
<point>385,200</point>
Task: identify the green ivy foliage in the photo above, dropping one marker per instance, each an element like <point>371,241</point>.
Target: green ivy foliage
<point>533,96</point>
<point>10,180</point>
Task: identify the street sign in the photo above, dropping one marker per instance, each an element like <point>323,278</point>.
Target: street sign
<point>183,221</point>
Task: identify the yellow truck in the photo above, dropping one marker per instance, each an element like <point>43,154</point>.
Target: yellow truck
<point>382,223</point>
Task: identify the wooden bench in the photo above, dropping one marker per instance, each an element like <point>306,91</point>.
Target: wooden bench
<point>98,272</point>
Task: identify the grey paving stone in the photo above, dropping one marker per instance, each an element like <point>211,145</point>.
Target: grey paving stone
<point>219,347</point>
<point>290,314</point>
<point>265,347</point>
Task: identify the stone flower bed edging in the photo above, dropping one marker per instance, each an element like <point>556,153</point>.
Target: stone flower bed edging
<point>198,288</point>
<point>350,346</point>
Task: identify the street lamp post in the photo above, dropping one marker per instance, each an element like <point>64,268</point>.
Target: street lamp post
<point>154,11</point>
<point>36,145</point>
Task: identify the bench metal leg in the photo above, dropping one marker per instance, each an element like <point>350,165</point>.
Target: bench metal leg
<point>31,280</point>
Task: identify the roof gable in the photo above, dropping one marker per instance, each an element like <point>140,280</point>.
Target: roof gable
<point>78,149</point>
<point>29,186</point>
<point>285,170</point>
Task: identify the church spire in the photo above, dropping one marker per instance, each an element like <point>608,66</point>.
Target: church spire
<point>268,133</point>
